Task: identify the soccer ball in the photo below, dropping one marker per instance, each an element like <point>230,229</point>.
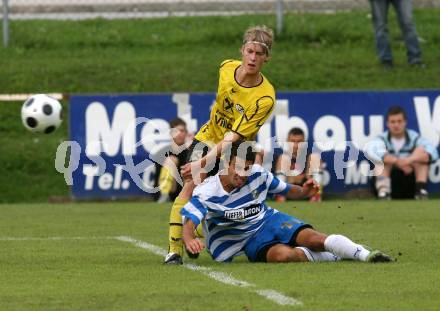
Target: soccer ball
<point>41,114</point>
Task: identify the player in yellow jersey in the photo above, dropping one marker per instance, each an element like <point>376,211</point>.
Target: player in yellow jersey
<point>245,99</point>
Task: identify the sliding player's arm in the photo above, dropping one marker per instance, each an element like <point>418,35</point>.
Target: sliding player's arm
<point>293,192</point>
<point>308,189</point>
<point>193,212</point>
<point>192,244</point>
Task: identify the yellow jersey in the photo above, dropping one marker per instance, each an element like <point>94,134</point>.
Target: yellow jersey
<point>237,108</point>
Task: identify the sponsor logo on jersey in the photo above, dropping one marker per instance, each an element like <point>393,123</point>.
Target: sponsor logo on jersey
<point>239,108</point>
<point>220,120</point>
<point>241,213</point>
<point>286,225</point>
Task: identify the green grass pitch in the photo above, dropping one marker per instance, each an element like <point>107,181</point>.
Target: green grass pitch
<point>65,257</point>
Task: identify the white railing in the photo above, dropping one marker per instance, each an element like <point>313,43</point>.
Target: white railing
<point>124,9</point>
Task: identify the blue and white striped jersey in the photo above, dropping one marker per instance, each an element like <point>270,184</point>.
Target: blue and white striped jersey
<point>231,219</point>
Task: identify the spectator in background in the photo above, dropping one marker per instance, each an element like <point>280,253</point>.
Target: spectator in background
<point>403,10</point>
<point>406,157</point>
<point>176,154</point>
<point>306,165</point>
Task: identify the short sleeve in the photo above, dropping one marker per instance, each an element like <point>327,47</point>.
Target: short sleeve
<point>376,149</point>
<point>194,210</point>
<point>277,186</point>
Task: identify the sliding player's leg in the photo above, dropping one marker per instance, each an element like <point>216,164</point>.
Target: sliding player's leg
<point>339,245</point>
<point>272,242</point>
<point>286,253</point>
<point>275,242</point>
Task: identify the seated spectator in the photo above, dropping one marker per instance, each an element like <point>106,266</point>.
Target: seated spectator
<point>175,154</point>
<point>305,165</point>
<point>406,157</point>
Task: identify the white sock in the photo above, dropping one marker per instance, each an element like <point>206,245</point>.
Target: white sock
<point>281,176</point>
<point>345,248</point>
<point>318,256</point>
<point>383,184</point>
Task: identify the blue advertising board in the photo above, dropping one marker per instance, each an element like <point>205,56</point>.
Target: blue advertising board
<point>121,132</point>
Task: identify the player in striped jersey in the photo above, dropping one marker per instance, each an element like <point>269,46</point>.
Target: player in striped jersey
<point>231,206</point>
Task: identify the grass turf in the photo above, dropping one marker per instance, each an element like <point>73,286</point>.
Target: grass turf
<point>28,170</point>
<point>106,274</point>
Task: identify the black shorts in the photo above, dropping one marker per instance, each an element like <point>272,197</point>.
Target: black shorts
<point>198,150</point>
<point>402,186</point>
<point>181,160</point>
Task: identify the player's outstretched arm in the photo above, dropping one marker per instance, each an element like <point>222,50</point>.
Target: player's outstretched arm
<point>192,244</point>
<point>212,155</point>
<point>308,189</point>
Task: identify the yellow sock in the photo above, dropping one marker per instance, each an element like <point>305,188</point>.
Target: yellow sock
<point>165,180</point>
<point>175,233</point>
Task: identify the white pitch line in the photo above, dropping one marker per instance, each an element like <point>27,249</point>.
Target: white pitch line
<point>57,238</point>
<point>218,276</point>
<point>150,247</point>
<point>269,294</point>
<point>278,297</point>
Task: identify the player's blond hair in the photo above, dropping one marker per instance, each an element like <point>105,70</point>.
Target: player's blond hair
<point>259,34</point>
